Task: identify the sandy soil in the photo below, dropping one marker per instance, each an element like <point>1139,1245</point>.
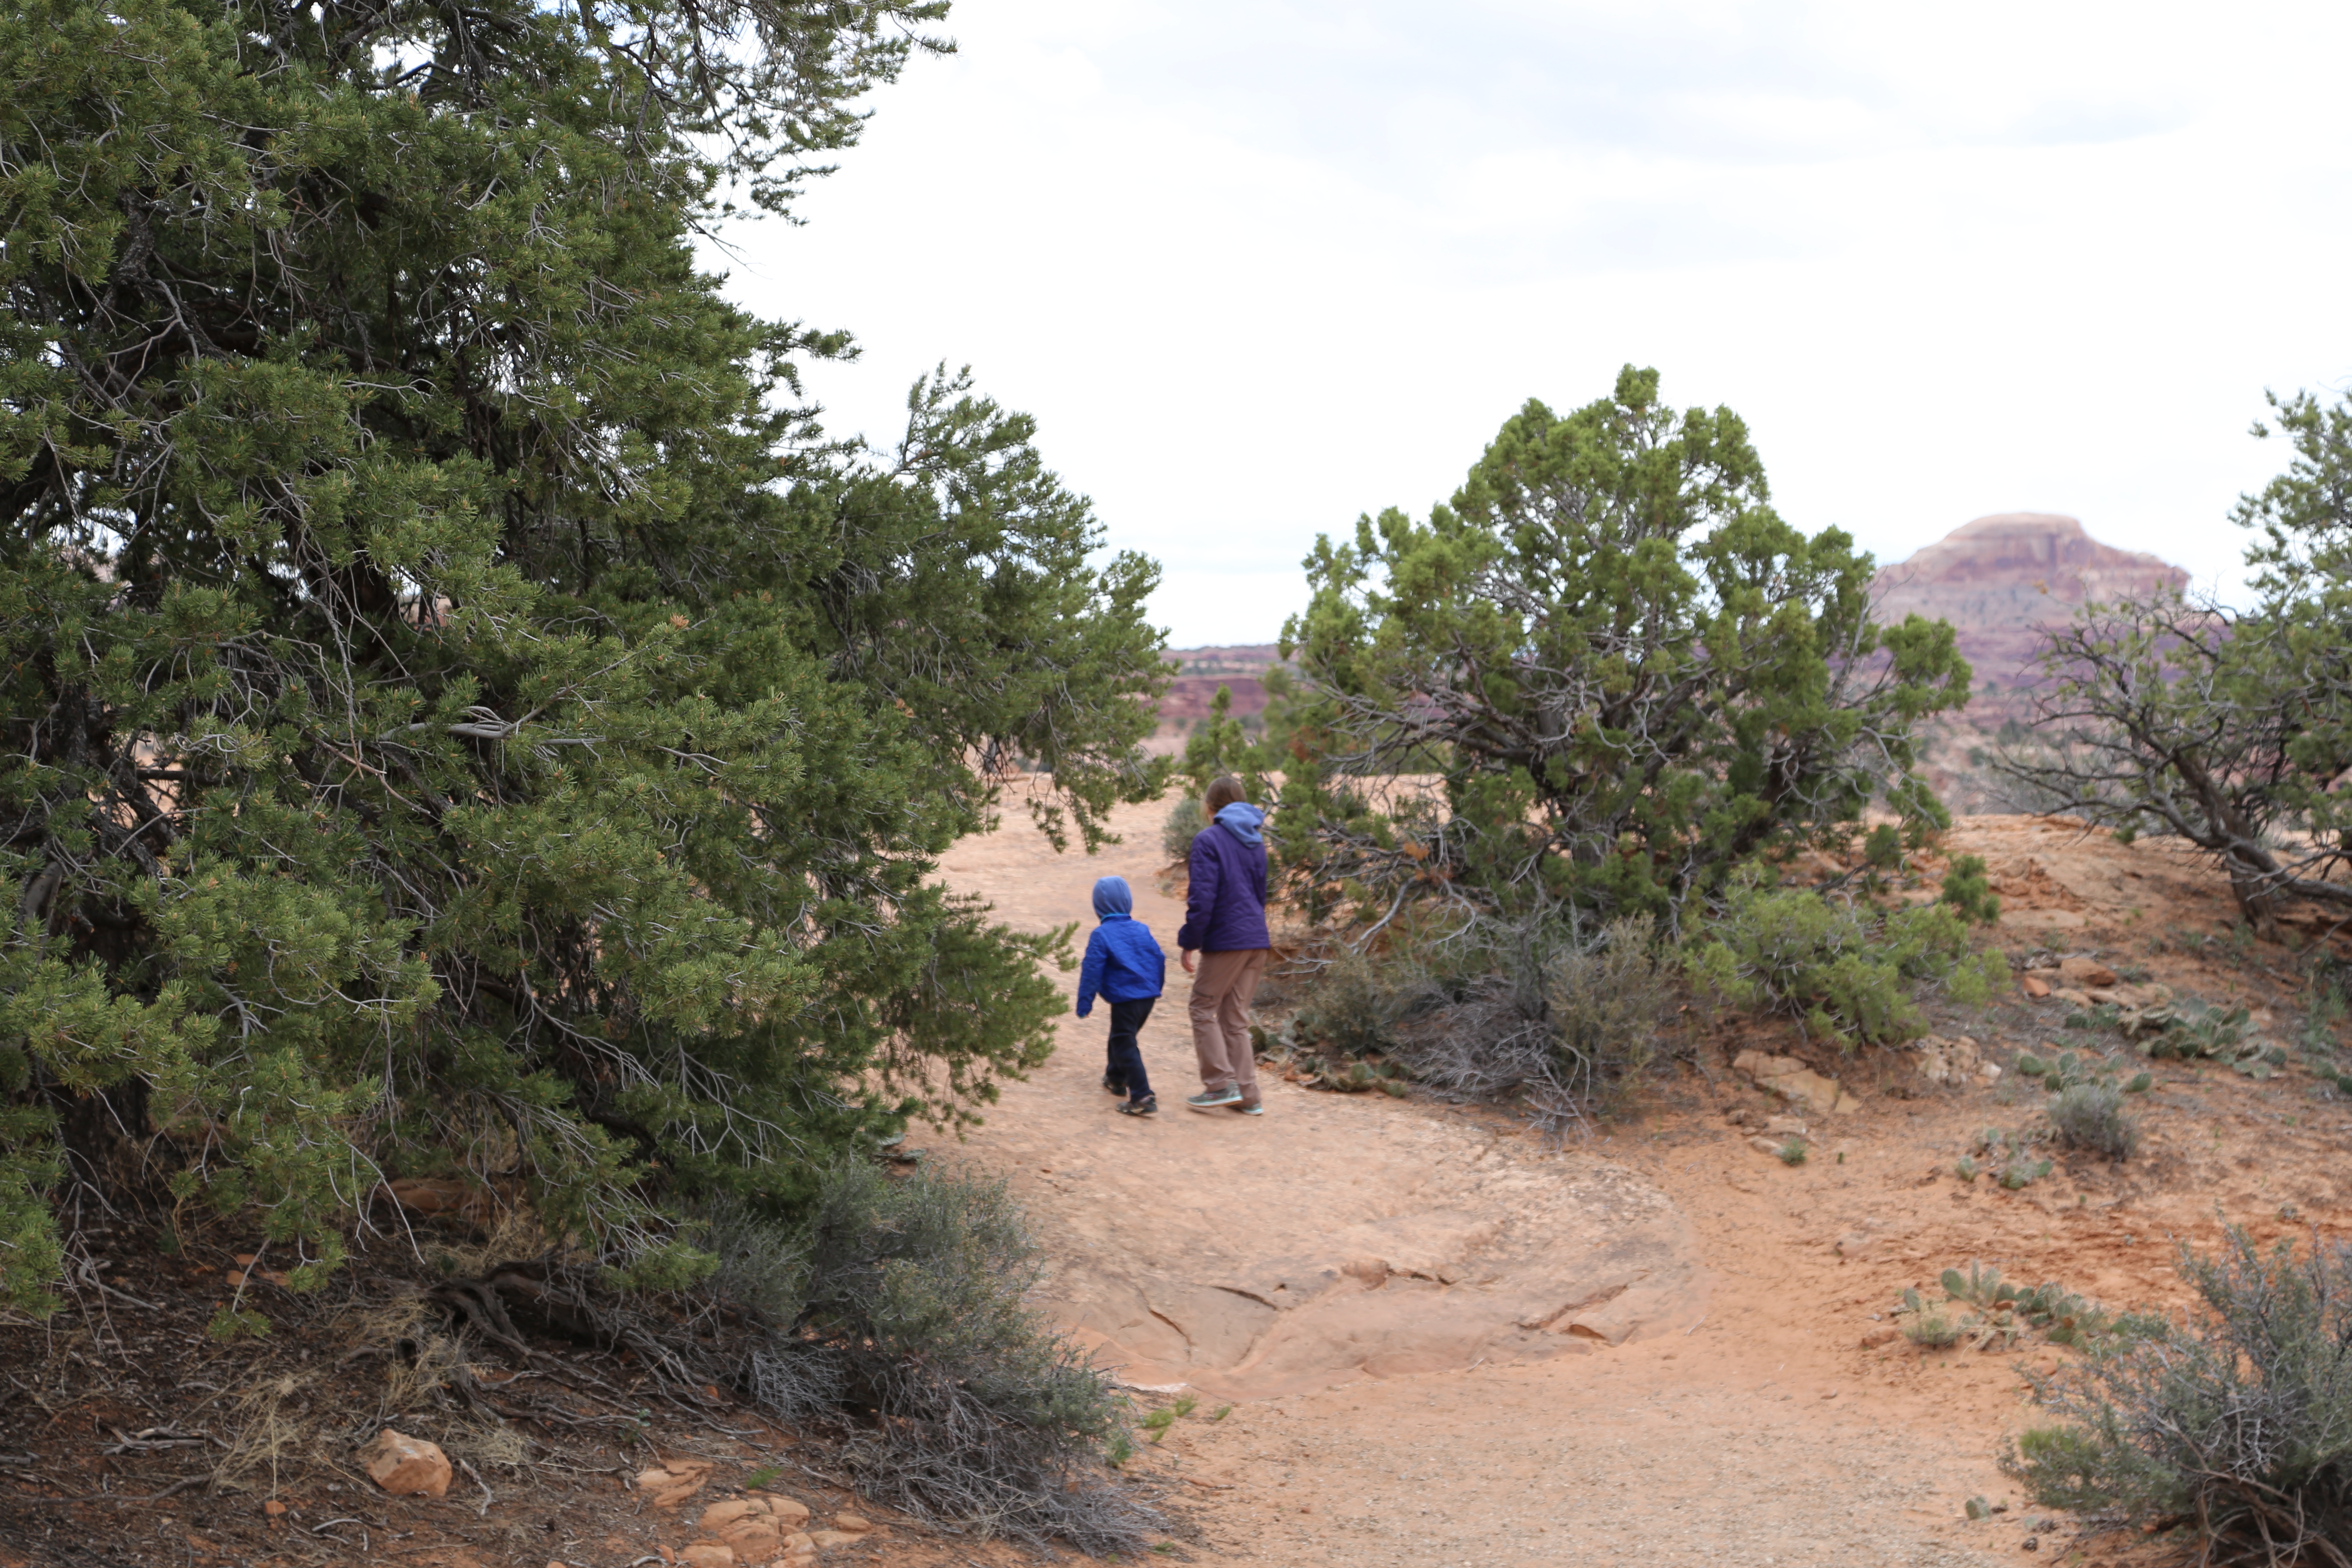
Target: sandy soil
<point>1446,1343</point>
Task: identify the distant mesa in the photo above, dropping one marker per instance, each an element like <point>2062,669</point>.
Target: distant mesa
<point>2002,581</point>
<point>2012,569</point>
<point>1200,671</point>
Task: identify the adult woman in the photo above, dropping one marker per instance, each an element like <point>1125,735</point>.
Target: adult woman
<point>1225,925</point>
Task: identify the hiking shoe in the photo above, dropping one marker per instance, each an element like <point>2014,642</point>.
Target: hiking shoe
<point>1148,1106</point>
<point>1211,1098</point>
<point>1113,1085</point>
<point>1254,1107</point>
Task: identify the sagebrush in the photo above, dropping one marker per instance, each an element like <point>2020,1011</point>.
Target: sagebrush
<point>1523,1011</point>
<point>1845,969</point>
<point>2235,1423</point>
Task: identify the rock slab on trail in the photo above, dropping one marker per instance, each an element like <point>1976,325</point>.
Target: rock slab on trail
<point>1332,1237</point>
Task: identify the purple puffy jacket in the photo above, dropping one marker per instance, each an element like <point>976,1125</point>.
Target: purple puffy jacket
<point>1224,911</point>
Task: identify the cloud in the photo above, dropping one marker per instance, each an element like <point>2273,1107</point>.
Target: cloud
<point>1259,268</point>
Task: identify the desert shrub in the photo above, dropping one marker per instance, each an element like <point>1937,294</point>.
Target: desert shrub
<point>1348,1003</point>
<point>1184,823</point>
<point>1932,1329</point>
<point>1524,1010</point>
<point>535,759</point>
<point>897,1307</point>
<point>1844,970</point>
<point>1968,890</point>
<point>2236,1421</point>
<point>1605,674</point>
<point>2091,1116</point>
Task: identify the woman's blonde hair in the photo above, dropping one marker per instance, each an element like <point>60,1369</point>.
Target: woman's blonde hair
<point>1223,791</point>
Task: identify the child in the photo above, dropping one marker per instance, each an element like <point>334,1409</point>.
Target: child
<point>1125,964</point>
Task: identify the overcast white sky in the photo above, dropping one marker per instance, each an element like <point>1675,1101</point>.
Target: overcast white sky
<point>1259,266</point>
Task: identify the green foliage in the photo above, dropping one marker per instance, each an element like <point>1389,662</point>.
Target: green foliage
<point>2087,1095</point>
<point>2072,1069</point>
<point>1622,673</point>
<point>2237,1421</point>
<point>1968,890</point>
<point>1350,1003</point>
<point>1221,745</point>
<point>1793,1152</point>
<point>1845,970</point>
<point>459,712</point>
<point>1167,1415</point>
<point>1931,1330</point>
<point>2022,1170</point>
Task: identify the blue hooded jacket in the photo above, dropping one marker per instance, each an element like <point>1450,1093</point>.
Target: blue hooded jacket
<point>1123,961</point>
<point>1224,911</point>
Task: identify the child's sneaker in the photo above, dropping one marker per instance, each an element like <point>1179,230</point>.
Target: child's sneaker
<point>1211,1099</point>
<point>1148,1106</point>
<point>1252,1107</point>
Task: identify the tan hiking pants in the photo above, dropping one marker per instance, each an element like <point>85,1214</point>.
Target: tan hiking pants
<point>1222,989</point>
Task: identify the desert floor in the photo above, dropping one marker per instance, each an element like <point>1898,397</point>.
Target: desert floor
<point>1444,1341</point>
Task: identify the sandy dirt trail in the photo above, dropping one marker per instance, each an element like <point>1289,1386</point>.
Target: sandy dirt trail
<point>1443,1343</point>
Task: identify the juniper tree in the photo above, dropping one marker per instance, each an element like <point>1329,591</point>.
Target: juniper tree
<point>460,713</point>
<point>2230,728</point>
<point>1599,680</point>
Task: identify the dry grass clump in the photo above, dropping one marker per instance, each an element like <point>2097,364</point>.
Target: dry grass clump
<point>2091,1116</point>
<point>272,1429</point>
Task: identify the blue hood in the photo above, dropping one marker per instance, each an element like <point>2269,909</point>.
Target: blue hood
<point>1243,819</point>
<point>1112,897</point>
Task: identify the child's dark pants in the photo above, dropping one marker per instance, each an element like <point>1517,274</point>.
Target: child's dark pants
<point>1126,1057</point>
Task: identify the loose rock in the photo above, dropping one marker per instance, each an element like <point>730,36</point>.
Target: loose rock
<point>673,1481</point>
<point>851,1523</point>
<point>405,1465</point>
<point>1793,1081</point>
<point>2088,972</point>
<point>707,1555</point>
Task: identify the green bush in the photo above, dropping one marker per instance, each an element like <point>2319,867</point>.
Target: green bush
<point>1968,890</point>
<point>1628,676</point>
<point>2236,1421</point>
<point>1845,971</point>
<point>457,710</point>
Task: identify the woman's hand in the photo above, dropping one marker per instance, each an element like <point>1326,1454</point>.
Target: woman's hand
<point>1185,959</point>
